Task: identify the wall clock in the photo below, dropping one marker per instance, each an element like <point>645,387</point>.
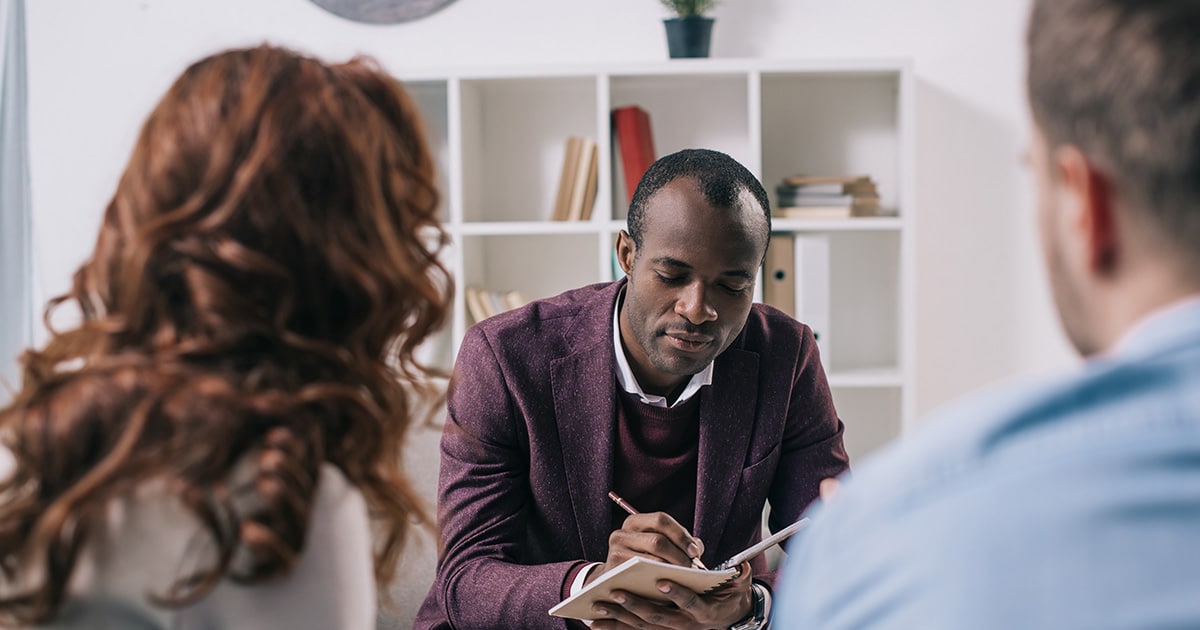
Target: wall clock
<point>382,11</point>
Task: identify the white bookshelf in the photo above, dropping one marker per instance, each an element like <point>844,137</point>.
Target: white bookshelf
<point>499,136</point>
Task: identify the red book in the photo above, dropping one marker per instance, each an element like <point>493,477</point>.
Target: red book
<point>631,126</point>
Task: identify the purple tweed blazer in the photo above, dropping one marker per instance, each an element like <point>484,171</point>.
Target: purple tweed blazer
<point>527,453</point>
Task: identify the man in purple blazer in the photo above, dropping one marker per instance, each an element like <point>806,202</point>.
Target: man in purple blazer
<point>669,387</point>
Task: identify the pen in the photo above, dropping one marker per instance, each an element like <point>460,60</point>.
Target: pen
<point>762,545</point>
<point>629,508</point>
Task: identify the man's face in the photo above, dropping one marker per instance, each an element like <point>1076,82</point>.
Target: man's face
<point>1059,248</point>
<point>691,283</point>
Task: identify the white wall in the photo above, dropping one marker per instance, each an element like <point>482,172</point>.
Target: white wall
<point>96,68</point>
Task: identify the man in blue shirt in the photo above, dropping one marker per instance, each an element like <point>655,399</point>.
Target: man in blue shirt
<point>1073,503</point>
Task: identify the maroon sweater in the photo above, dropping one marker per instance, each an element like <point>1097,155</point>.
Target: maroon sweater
<point>655,468</point>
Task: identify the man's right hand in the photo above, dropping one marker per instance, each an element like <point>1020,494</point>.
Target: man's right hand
<point>656,535</point>
<point>653,535</point>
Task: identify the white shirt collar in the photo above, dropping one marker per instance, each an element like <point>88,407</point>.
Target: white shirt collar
<point>629,382</point>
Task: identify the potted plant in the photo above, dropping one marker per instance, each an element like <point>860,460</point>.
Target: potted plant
<point>689,33</point>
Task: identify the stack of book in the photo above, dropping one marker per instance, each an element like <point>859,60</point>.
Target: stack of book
<point>483,303</point>
<point>578,181</point>
<point>826,197</point>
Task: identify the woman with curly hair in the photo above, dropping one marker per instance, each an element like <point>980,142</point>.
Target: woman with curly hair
<point>216,442</point>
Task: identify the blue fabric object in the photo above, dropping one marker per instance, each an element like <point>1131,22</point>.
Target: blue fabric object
<point>15,309</point>
<point>1068,504</point>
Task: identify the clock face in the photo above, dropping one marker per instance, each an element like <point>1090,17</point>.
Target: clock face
<point>382,11</point>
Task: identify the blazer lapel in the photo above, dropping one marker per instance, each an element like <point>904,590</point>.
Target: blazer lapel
<point>586,411</point>
<point>726,423</point>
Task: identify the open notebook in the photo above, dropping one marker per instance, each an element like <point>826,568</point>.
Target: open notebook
<point>639,576</point>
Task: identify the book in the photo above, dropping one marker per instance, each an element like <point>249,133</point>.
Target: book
<point>826,196</point>
<point>814,212</point>
<point>639,576</point>
<point>477,306</point>
<point>838,209</point>
<point>593,182</point>
<point>858,187</point>
<point>583,186</point>
<point>791,200</point>
<point>779,287</point>
<point>846,181</point>
<point>514,299</point>
<point>635,144</point>
<point>495,302</point>
<point>566,179</point>
<point>483,303</point>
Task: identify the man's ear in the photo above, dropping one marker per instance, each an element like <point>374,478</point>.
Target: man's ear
<point>626,250</point>
<point>1089,192</point>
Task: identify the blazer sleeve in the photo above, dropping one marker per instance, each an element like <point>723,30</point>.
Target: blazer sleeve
<point>483,498</point>
<point>812,448</point>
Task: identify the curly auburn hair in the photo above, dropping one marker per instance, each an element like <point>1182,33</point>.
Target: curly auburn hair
<point>262,276</point>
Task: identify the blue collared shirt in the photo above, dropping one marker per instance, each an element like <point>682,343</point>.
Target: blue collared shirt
<point>1067,504</point>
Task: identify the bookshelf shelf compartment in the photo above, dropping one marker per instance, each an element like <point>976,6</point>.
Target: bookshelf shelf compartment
<point>864,299</point>
<point>506,262</point>
<point>693,110</point>
<point>500,136</point>
<point>514,134</point>
<point>833,124</point>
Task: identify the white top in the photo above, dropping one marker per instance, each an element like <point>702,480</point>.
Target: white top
<point>143,543</point>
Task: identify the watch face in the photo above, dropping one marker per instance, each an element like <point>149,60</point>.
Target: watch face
<point>382,11</point>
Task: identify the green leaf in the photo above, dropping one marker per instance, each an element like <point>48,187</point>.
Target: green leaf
<point>688,8</point>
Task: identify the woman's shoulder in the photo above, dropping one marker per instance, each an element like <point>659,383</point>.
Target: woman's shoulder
<point>149,540</point>
<point>336,495</point>
<point>332,584</point>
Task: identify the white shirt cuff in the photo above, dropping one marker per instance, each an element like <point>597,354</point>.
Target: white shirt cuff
<point>581,577</point>
<point>577,585</point>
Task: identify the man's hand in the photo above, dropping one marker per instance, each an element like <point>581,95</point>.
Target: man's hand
<point>719,608</point>
<point>829,488</point>
<point>658,536</point>
<point>652,535</point>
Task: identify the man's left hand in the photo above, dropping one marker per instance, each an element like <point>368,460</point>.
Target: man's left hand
<point>720,608</point>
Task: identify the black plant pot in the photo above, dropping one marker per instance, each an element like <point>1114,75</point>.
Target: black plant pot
<point>688,36</point>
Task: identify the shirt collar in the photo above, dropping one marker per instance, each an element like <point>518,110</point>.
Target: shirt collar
<point>1162,323</point>
<point>629,382</point>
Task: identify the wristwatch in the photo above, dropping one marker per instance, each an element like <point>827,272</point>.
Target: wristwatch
<point>757,619</point>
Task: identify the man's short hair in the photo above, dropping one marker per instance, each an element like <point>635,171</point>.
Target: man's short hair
<point>720,177</point>
<point>1120,80</point>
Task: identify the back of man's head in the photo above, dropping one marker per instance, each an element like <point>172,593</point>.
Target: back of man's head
<point>1120,80</point>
